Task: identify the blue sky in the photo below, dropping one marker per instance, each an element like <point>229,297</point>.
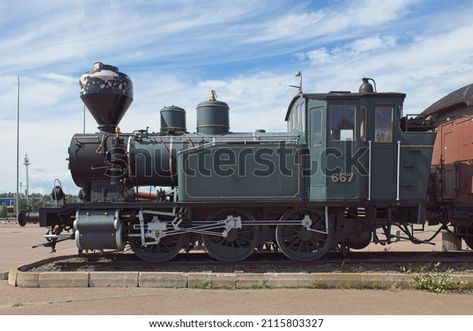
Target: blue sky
<point>177,51</point>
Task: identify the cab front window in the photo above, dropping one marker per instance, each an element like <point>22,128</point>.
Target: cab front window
<point>342,123</point>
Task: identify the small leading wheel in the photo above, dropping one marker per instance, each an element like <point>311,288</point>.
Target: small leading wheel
<point>167,248</point>
<point>299,243</point>
<point>239,243</point>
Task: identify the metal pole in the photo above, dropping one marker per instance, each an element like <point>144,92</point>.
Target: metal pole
<point>27,187</point>
<point>18,149</point>
<point>84,118</point>
<point>27,163</point>
<point>369,170</point>
<point>398,168</point>
<point>300,84</point>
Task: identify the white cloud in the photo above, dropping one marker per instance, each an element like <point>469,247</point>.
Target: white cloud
<point>42,94</point>
<point>426,68</point>
<point>319,56</point>
<point>349,51</point>
<point>58,77</point>
<point>372,43</point>
<point>292,25</point>
<point>342,18</point>
<point>120,31</point>
<point>46,145</point>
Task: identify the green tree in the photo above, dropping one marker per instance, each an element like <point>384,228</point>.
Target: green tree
<point>71,198</point>
<point>3,212</point>
<point>38,200</point>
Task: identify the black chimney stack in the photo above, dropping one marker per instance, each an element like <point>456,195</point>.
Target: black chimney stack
<point>107,93</point>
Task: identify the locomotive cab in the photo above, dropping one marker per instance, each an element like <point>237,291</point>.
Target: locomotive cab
<point>357,149</point>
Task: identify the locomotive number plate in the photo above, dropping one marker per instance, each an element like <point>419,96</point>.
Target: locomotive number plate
<point>342,177</point>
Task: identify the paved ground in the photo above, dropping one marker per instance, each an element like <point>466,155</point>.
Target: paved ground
<point>191,301</point>
<point>16,242</point>
<point>15,246</point>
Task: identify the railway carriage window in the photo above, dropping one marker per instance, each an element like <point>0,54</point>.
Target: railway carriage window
<point>363,123</point>
<point>383,121</point>
<point>317,127</point>
<point>342,123</point>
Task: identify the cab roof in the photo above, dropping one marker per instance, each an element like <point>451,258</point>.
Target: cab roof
<point>341,95</point>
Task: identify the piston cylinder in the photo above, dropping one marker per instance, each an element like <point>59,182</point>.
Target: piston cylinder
<point>99,229</point>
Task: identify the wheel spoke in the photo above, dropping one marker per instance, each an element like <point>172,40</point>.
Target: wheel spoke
<point>292,237</point>
<point>165,245</point>
<point>294,242</point>
<point>306,244</point>
<point>245,240</point>
<point>245,231</point>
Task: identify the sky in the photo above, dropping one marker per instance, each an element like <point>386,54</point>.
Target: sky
<point>248,51</point>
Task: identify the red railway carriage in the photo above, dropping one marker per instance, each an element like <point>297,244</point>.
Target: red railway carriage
<point>450,197</point>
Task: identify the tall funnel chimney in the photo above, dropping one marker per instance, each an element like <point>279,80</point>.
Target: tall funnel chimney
<point>107,93</point>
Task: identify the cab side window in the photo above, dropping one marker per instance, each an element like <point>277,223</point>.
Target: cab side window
<point>296,121</point>
<point>342,123</point>
<point>363,123</point>
<point>383,123</point>
<point>316,126</point>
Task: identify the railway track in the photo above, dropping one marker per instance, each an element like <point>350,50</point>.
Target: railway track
<point>270,262</point>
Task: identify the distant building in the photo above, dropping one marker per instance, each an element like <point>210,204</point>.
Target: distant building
<point>10,204</point>
<point>7,201</point>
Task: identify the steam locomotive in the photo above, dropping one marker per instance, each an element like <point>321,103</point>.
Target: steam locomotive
<point>349,169</point>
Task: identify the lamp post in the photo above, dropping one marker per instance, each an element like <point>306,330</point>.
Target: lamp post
<point>299,87</point>
<point>27,163</point>
<point>18,149</point>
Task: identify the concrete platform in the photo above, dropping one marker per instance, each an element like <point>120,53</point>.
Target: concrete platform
<point>113,279</point>
<point>162,279</point>
<point>59,279</point>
